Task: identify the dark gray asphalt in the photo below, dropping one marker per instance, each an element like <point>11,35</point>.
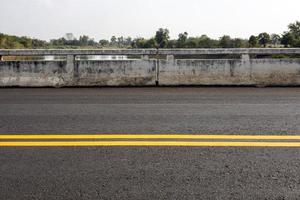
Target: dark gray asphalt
<point>150,172</point>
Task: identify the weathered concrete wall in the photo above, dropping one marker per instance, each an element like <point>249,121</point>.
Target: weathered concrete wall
<point>230,72</point>
<point>145,71</point>
<point>85,73</point>
<point>115,73</point>
<point>275,71</point>
<point>203,72</point>
<point>34,73</point>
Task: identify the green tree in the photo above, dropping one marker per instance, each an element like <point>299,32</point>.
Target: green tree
<point>138,43</point>
<point>113,41</point>
<point>225,42</point>
<point>205,42</point>
<point>151,43</point>
<point>292,37</point>
<point>264,39</point>
<point>288,39</point>
<point>294,28</point>
<point>120,41</point>
<point>253,41</point>
<point>182,37</point>
<point>104,42</point>
<point>162,37</point>
<point>191,42</point>
<point>83,40</point>
<point>128,41</point>
<point>275,39</point>
<point>238,43</point>
<point>172,44</point>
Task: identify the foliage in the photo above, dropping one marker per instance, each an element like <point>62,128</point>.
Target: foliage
<point>291,38</point>
<point>12,42</point>
<point>161,39</point>
<point>253,41</point>
<point>182,37</point>
<point>275,39</point>
<point>264,39</point>
<point>104,43</point>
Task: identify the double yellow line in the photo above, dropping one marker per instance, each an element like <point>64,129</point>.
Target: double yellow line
<point>150,140</point>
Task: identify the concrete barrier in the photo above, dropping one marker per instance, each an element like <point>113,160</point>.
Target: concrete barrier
<point>263,72</point>
<point>34,73</point>
<point>155,67</point>
<point>116,73</point>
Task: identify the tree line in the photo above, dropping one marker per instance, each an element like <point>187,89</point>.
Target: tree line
<point>161,39</point>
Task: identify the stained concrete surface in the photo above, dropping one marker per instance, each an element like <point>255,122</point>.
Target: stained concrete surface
<point>242,67</point>
<point>150,172</point>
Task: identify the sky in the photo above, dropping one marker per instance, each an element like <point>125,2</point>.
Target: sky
<point>101,19</point>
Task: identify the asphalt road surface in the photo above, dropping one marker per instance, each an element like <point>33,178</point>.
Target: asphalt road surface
<point>149,172</point>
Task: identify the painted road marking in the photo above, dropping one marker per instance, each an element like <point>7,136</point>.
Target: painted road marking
<point>147,140</point>
<point>145,136</point>
<point>147,143</point>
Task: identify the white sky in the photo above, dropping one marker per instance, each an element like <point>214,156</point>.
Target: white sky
<point>46,19</point>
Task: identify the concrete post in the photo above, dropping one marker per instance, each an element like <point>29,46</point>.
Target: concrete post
<point>247,67</point>
<point>145,57</point>
<point>157,72</point>
<point>157,61</point>
<point>70,67</point>
<point>170,58</point>
<point>245,57</point>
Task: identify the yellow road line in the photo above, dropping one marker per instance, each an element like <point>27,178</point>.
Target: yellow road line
<point>145,143</point>
<point>152,136</point>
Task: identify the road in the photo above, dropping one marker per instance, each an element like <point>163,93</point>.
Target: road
<point>149,172</point>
